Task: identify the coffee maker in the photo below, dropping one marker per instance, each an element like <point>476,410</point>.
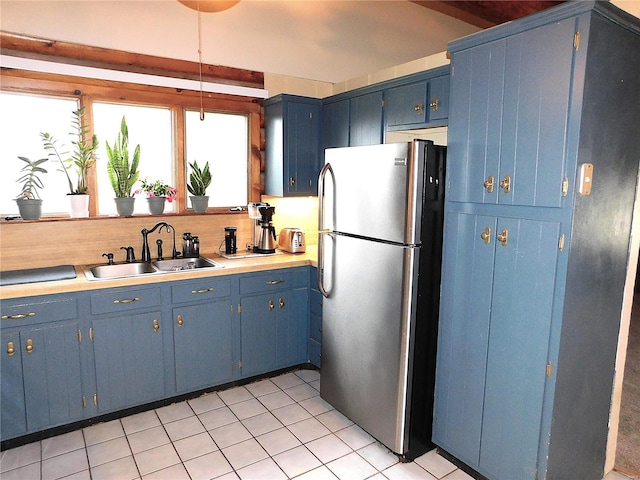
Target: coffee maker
<point>267,239</point>
<point>255,216</point>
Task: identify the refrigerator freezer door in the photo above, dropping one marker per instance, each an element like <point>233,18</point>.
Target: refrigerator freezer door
<point>376,191</point>
<point>367,323</point>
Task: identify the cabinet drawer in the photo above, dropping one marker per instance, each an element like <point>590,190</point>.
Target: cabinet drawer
<point>273,280</point>
<point>19,311</point>
<point>125,299</point>
<point>203,289</point>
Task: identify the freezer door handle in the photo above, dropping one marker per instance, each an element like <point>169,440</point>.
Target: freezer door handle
<point>322,231</point>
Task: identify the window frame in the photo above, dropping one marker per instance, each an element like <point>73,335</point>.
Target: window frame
<point>87,90</point>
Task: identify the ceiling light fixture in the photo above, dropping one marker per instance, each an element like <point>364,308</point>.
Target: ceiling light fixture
<point>209,6</point>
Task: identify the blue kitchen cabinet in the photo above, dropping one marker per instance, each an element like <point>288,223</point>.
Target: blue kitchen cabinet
<point>273,325</point>
<point>41,364</point>
<point>438,101</point>
<point>292,134</point>
<point>127,331</point>
<point>335,124</point>
<point>315,318</point>
<point>365,119</point>
<point>406,105</point>
<point>508,122</point>
<point>529,320</point>
<point>498,305</point>
<point>202,333</point>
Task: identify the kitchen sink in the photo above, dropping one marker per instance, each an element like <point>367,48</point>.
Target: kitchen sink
<point>135,269</point>
<point>180,264</point>
<point>119,270</point>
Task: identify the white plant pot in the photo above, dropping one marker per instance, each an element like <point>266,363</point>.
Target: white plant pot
<point>79,206</point>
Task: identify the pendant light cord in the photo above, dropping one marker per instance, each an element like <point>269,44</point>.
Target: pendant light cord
<point>200,59</point>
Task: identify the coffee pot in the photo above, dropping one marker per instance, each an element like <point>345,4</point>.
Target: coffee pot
<point>267,240</point>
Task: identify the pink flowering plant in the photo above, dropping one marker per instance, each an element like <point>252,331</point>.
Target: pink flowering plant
<point>157,189</point>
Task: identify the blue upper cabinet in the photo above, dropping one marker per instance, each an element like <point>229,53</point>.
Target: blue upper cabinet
<point>365,120</point>
<point>508,144</point>
<point>335,124</point>
<point>417,105</point>
<point>292,133</point>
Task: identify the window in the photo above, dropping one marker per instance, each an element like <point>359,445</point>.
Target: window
<point>222,140</point>
<point>164,121</point>
<point>149,127</point>
<point>23,118</point>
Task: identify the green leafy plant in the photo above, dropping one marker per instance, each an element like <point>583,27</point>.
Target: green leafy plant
<point>199,180</point>
<point>157,189</point>
<point>122,173</point>
<point>82,157</point>
<point>30,179</point>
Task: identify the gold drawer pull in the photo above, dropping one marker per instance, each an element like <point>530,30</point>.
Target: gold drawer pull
<point>488,184</point>
<point>204,290</point>
<point>10,349</point>
<point>418,108</point>
<point>271,305</point>
<point>503,237</point>
<point>506,184</point>
<point>126,300</point>
<point>434,104</point>
<point>486,235</point>
<point>29,347</point>
<point>156,325</point>
<point>180,321</point>
<point>18,316</point>
<point>274,282</point>
<point>281,303</point>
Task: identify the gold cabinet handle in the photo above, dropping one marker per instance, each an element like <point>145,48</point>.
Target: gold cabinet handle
<point>486,235</point>
<point>18,316</point>
<point>488,183</point>
<point>126,300</point>
<point>434,104</point>
<point>180,321</point>
<point>274,282</point>
<point>418,108</point>
<point>506,184</point>
<point>292,181</point>
<point>156,325</point>
<point>281,303</point>
<point>503,237</point>
<point>271,305</point>
<point>10,349</point>
<point>204,290</point>
<point>29,347</point>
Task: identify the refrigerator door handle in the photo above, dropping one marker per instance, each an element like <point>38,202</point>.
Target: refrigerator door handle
<point>322,231</point>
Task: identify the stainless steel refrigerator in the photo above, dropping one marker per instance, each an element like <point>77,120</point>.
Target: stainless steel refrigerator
<point>380,243</point>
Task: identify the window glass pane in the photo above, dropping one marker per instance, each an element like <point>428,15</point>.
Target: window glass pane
<point>150,127</point>
<point>222,139</point>
<point>23,118</point>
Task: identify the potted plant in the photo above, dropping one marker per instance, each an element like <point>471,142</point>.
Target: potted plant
<point>81,159</point>
<point>199,181</point>
<point>122,173</point>
<point>156,193</point>
<point>29,202</point>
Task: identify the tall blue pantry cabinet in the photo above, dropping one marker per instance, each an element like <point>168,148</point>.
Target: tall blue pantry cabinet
<point>542,174</point>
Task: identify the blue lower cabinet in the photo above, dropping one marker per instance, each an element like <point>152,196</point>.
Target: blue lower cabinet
<point>40,365</point>
<point>273,325</point>
<point>493,344</point>
<point>203,339</point>
<point>129,360</point>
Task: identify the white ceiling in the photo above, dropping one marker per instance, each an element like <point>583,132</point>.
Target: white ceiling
<point>329,41</point>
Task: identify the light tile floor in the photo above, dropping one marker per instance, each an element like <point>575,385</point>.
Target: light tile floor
<point>273,429</point>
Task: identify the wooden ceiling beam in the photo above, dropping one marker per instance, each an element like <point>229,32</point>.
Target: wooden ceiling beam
<point>485,14</point>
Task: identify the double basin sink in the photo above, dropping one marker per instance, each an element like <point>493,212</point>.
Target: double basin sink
<point>135,269</point>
